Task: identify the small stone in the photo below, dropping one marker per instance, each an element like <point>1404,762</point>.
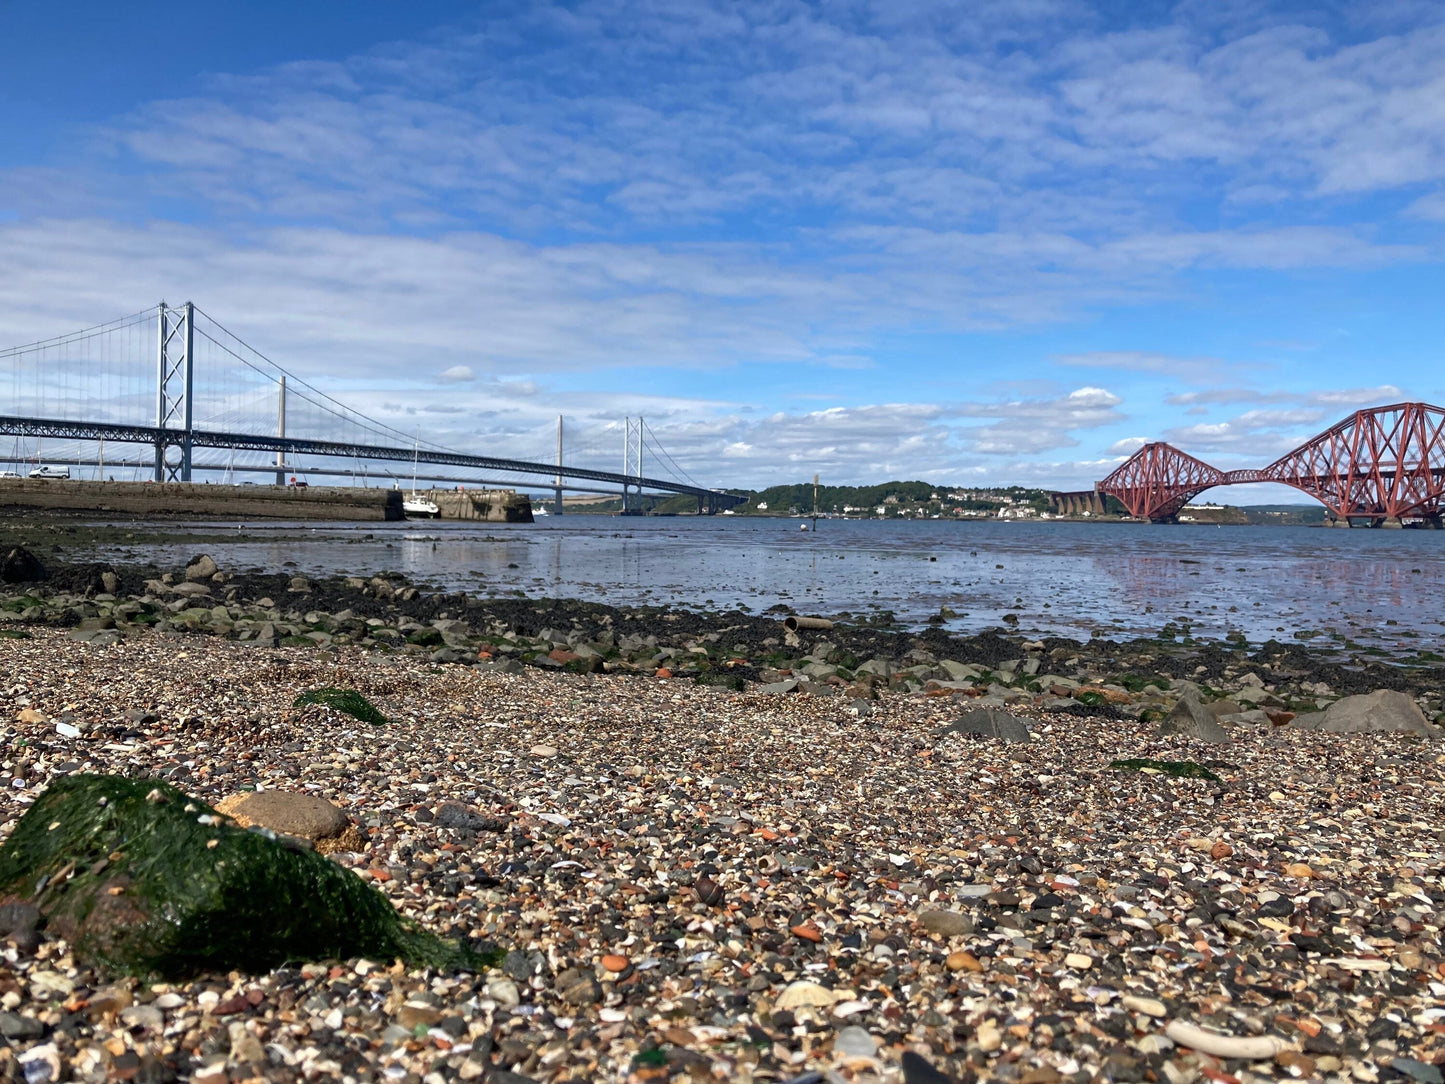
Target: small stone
<point>988,1037</point>
<point>577,986</point>
<point>413,1013</point>
<point>1078,961</point>
<point>946,923</point>
<point>615,963</point>
<point>1415,1069</point>
<point>963,961</point>
<point>504,992</point>
<point>1220,851</point>
<point>918,1070</point>
<point>854,1042</point>
<point>1299,869</point>
<point>16,1026</point>
<point>807,931</point>
<point>1149,1006</point>
<point>544,751</point>
<point>1298,1064</point>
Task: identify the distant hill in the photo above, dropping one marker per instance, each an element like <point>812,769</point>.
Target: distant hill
<point>1287,514</point>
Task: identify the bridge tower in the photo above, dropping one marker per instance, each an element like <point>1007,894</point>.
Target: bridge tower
<point>631,467</point>
<point>557,493</point>
<point>175,363</point>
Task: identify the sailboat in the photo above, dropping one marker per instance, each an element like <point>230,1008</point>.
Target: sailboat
<point>416,505</point>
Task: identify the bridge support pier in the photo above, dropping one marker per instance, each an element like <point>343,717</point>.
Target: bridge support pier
<point>175,358</point>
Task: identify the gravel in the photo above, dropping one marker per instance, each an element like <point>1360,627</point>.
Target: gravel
<point>763,875</point>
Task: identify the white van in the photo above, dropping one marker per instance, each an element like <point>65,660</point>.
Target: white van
<point>50,472</point>
<point>8,474</point>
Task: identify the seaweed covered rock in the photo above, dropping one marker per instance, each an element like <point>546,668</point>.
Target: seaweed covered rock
<point>347,701</point>
<point>142,879</point>
<point>19,565</point>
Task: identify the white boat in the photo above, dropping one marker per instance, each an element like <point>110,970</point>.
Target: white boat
<point>416,505</point>
<point>540,511</point>
<point>419,506</point>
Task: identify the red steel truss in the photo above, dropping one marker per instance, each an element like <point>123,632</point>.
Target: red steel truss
<point>1159,479</point>
<point>1383,463</point>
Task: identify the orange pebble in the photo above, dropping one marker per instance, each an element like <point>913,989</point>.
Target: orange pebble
<point>615,963</point>
<point>664,672</point>
<point>808,932</point>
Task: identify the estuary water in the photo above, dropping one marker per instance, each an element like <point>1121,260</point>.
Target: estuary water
<point>1381,588</point>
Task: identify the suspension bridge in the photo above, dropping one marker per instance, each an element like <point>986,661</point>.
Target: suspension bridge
<point>1376,466</point>
<point>182,396</point>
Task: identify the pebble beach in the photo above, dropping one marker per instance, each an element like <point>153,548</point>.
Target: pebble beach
<point>693,881</point>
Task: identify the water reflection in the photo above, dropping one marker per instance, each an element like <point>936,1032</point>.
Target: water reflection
<point>1066,579</point>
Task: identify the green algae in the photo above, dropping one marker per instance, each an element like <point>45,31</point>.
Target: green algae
<point>144,880</point>
<point>347,701</point>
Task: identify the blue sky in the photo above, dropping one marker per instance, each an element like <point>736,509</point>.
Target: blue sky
<point>974,243</point>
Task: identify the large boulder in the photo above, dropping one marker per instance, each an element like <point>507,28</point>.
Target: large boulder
<point>200,568</point>
<point>19,565</point>
<point>141,879</point>
<point>1191,719</point>
<point>989,723</point>
<point>291,813</point>
<point>1381,712</point>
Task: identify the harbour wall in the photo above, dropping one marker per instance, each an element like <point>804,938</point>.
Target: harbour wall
<point>485,505</point>
<point>194,499</point>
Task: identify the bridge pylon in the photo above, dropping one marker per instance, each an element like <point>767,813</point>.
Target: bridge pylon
<point>175,368</point>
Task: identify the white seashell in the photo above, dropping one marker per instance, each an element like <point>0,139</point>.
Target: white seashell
<point>1253,1047</point>
<point>805,994</point>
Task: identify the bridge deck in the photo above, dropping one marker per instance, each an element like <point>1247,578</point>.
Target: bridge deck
<point>51,428</point>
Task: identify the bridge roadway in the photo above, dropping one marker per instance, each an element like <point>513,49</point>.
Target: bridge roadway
<point>55,429</point>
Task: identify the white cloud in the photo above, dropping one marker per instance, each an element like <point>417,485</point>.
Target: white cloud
<point>1356,397</point>
<point>1189,370</point>
<point>762,181</point>
<point>1128,446</point>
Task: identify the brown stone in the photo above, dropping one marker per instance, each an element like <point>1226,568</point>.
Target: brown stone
<point>287,812</point>
<point>1220,850</point>
<point>1294,1060</point>
<point>415,1013</point>
<point>963,961</point>
<point>350,840</point>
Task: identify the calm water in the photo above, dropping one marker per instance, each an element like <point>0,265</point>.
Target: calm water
<point>1375,587</point>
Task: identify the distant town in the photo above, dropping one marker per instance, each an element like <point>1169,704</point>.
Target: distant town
<point>925,500</point>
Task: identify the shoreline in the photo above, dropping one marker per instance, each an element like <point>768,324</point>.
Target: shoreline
<point>702,867</point>
<point>689,879</point>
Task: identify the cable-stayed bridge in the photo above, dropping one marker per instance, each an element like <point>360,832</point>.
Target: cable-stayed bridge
<point>181,395</point>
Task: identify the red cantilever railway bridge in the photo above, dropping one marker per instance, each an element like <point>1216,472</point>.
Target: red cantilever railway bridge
<point>1385,463</point>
